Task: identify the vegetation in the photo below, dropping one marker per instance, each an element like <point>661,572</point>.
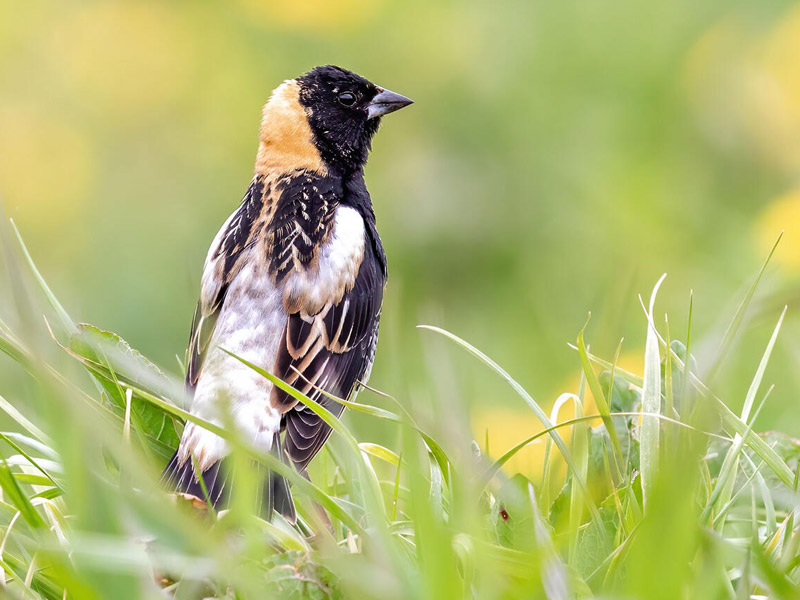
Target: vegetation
<point>651,488</point>
<point>560,156</point>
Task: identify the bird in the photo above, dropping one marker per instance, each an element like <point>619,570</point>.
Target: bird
<point>293,282</point>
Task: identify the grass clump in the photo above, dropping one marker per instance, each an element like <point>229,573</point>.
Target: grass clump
<point>660,492</point>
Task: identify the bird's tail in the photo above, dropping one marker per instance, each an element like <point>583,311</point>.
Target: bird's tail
<point>276,494</point>
<point>209,486</point>
<point>213,485</point>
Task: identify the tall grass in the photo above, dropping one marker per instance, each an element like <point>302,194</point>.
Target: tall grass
<point>661,492</point>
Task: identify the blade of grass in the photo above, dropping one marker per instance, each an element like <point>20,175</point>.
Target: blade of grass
<point>29,458</point>
<point>537,410</point>
<point>733,327</point>
<point>730,421</point>
<point>687,376</point>
<point>334,423</point>
<point>381,452</point>
<point>762,366</point>
<point>669,398</point>
<point>66,320</point>
<point>580,449</point>
<point>649,439</point>
<point>16,496</point>
<point>547,464</point>
<point>495,467</point>
<point>599,397</point>
<point>23,422</point>
<point>727,474</point>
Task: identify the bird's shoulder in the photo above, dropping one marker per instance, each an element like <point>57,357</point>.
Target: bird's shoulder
<point>302,206</point>
<point>357,195</point>
<point>307,229</point>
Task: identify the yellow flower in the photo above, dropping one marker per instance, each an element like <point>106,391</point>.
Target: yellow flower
<point>781,214</point>
<point>507,426</point>
<point>130,58</point>
<point>46,168</point>
<point>745,88</point>
<point>331,16</point>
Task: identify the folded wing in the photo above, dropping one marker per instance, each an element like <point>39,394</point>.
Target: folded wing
<point>330,351</point>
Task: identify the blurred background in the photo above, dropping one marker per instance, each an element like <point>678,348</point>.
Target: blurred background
<point>559,158</point>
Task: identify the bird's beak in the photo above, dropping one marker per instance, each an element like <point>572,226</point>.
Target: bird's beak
<point>386,102</point>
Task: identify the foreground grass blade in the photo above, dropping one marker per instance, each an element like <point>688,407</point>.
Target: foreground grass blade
<point>599,399</point>
<point>762,366</point>
<point>731,422</point>
<point>651,403</point>
<point>733,327</point>
<point>14,494</point>
<point>66,320</point>
<point>537,410</point>
<point>12,412</point>
<point>332,421</point>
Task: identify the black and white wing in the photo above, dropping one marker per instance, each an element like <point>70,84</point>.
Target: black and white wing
<point>331,351</point>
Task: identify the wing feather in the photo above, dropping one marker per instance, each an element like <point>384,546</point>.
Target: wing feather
<point>338,346</point>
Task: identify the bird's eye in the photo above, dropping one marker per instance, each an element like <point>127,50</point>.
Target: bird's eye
<point>347,99</point>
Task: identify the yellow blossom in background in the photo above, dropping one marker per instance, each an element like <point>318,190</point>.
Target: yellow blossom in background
<point>46,167</point>
<point>781,51</point>
<point>507,426</point>
<point>744,85</point>
<point>779,54</point>
<point>131,58</point>
<point>783,214</point>
<point>315,15</point>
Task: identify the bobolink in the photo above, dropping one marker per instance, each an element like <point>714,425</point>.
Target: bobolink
<point>293,282</point>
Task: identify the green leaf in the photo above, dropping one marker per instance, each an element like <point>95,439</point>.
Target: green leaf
<point>381,452</point>
<point>596,540</point>
<point>114,363</point>
<point>13,493</point>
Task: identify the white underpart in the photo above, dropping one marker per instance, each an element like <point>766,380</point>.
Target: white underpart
<point>228,392</point>
<point>251,325</point>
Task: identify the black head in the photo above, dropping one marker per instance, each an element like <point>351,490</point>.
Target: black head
<point>344,112</point>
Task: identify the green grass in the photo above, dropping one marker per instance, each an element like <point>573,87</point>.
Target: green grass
<point>663,492</point>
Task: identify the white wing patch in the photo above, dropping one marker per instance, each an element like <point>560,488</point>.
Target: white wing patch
<point>336,268</point>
